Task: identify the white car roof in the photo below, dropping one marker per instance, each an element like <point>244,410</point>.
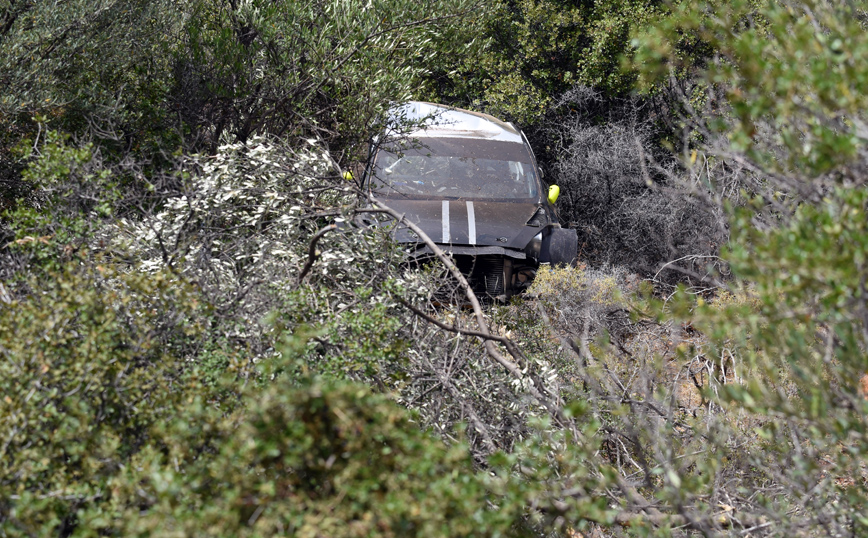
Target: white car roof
<point>446,121</point>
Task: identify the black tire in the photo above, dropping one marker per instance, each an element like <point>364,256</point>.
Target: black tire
<point>562,247</point>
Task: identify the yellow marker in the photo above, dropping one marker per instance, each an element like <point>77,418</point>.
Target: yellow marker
<point>554,192</point>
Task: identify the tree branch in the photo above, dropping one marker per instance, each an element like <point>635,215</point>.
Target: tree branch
<point>535,388</point>
<point>311,251</point>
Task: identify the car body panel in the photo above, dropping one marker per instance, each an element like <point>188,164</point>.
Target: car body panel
<point>468,222</point>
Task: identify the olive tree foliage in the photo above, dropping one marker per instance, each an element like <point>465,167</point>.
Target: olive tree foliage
<point>95,69</point>
<point>534,50</point>
<point>227,67</point>
<point>319,459</point>
<point>271,237</point>
<point>143,80</point>
<point>784,96</point>
<point>299,69</point>
<point>784,107</point>
<point>85,61</point>
<point>520,55</point>
<point>89,365</point>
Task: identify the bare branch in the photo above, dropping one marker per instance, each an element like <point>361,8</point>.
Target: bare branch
<point>312,254</point>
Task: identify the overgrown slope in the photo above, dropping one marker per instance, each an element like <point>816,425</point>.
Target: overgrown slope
<point>197,337</point>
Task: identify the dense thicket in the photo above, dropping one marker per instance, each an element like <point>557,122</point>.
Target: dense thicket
<point>198,336</point>
<point>624,195</point>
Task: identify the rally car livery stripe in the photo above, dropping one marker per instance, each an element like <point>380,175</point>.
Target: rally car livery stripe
<point>445,218</point>
<point>471,224</point>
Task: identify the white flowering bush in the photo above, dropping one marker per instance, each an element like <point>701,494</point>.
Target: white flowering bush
<point>238,225</point>
<point>256,190</point>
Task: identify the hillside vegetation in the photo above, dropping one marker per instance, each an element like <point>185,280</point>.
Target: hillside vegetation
<point>199,338</point>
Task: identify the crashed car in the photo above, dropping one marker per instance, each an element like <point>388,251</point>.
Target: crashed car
<point>472,184</point>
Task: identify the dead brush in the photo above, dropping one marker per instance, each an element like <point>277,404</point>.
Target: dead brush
<point>653,386</point>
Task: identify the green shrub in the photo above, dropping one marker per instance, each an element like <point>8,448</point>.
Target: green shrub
<point>88,365</point>
<point>316,459</point>
<point>520,55</point>
<point>111,427</point>
<point>786,102</point>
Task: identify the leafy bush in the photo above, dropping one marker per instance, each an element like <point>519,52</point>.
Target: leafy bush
<point>85,66</point>
<point>534,50</point>
<point>111,428</point>
<point>582,292</point>
<point>322,69</point>
<point>792,332</point>
<point>805,356</point>
<point>784,99</point>
<point>311,460</point>
<point>90,363</point>
<point>239,225</point>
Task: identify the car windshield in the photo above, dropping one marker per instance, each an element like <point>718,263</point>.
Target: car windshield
<point>455,168</point>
